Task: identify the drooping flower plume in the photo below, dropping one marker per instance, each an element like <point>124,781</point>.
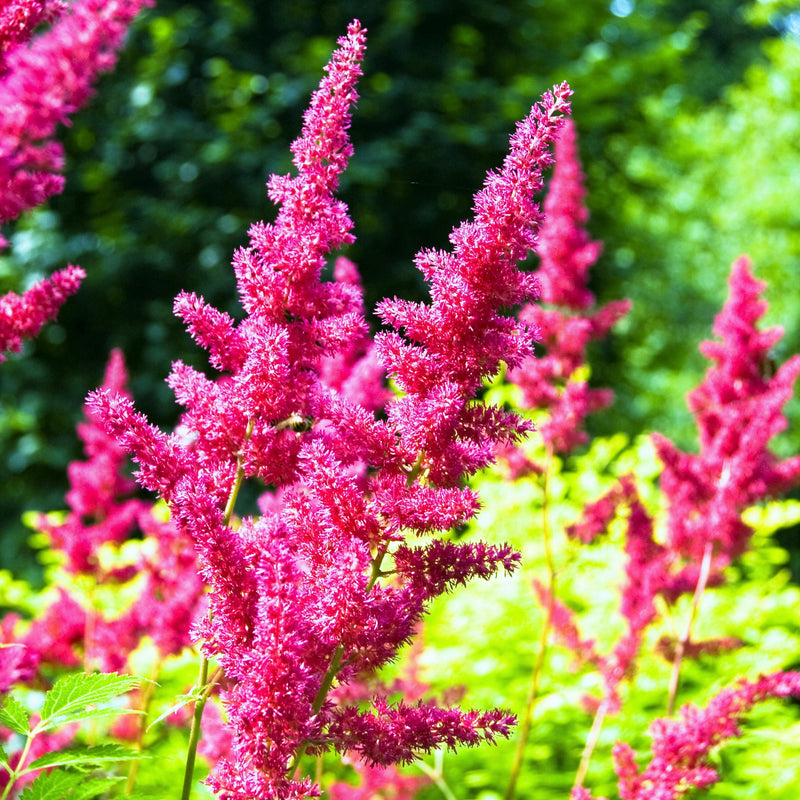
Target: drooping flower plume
<point>682,747</point>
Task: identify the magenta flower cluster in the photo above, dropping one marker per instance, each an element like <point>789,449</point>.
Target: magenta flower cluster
<point>102,512</point>
<point>43,80</point>
<point>551,381</point>
<point>331,579</point>
<point>738,408</point>
<point>682,747</point>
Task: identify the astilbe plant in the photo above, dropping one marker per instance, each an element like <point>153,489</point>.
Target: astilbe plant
<point>331,580</point>
<point>44,79</point>
<point>157,571</point>
<point>738,408</point>
<point>298,609</point>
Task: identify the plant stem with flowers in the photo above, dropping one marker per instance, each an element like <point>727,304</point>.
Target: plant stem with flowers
<point>299,598</point>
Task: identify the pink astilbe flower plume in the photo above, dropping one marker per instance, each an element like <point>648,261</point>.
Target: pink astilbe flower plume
<point>682,747</point>
<point>42,82</point>
<point>22,316</point>
<point>460,339</point>
<point>738,408</point>
<point>104,513</point>
<point>45,81</point>
<point>566,254</point>
<point>326,585</point>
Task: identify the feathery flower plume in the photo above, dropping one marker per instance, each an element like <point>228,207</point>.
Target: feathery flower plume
<point>22,316</point>
<point>45,81</point>
<point>102,513</point>
<point>682,747</point>
<point>738,408</point>
<point>42,82</point>
<point>552,382</point>
<point>326,585</point>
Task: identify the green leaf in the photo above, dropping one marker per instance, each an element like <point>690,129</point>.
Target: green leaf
<point>3,756</point>
<point>84,757</point>
<point>61,784</point>
<point>14,716</point>
<point>52,786</point>
<point>71,697</point>
<point>181,701</point>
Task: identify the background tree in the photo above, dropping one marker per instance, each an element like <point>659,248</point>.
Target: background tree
<point>166,168</point>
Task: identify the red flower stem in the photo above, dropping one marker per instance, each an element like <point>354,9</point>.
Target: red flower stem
<point>544,636</point>
<point>680,650</point>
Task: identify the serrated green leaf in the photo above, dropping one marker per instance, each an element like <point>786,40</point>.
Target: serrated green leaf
<point>13,715</point>
<point>63,785</point>
<point>3,755</point>
<point>92,787</point>
<point>181,701</point>
<point>70,698</point>
<point>84,757</point>
<point>52,785</point>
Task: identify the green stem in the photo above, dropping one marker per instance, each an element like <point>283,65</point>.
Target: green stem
<point>544,636</point>
<point>146,698</point>
<point>17,773</point>
<point>435,774</point>
<point>194,735</point>
<point>238,480</point>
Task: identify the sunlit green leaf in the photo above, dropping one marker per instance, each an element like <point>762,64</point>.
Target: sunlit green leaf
<point>81,696</point>
<point>13,715</point>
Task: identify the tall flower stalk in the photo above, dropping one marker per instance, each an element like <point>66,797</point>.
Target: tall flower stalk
<point>553,384</point>
<point>331,580</point>
<point>738,408</point>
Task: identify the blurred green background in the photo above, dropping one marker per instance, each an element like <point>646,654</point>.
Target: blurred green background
<point>690,138</point>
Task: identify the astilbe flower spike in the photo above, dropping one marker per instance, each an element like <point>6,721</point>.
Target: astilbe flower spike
<point>22,316</point>
<point>44,81</point>
<point>738,409</point>
<point>311,594</point>
<point>70,631</point>
<point>551,382</point>
<point>682,746</point>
